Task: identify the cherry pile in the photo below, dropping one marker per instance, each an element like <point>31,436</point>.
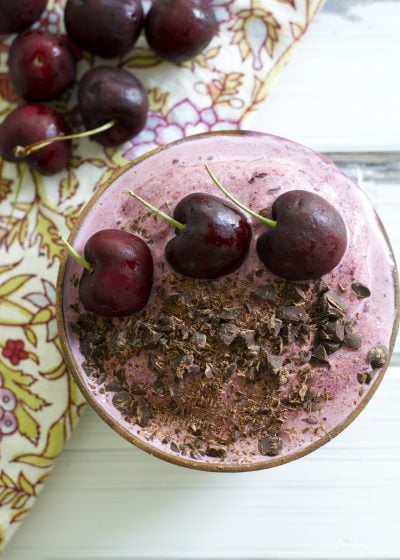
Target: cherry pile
<point>112,103</point>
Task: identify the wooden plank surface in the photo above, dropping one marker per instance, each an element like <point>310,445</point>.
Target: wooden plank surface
<point>341,90</point>
<point>107,500</point>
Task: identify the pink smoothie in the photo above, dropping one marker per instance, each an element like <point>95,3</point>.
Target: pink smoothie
<point>256,169</point>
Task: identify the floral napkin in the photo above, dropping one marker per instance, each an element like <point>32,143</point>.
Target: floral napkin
<point>221,89</point>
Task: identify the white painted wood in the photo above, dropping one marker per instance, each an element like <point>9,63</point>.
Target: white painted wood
<point>108,501</point>
<point>341,89</point>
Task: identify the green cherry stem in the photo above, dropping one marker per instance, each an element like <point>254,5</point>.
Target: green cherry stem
<point>24,151</point>
<point>270,223</point>
<point>155,210</point>
<point>76,255</point>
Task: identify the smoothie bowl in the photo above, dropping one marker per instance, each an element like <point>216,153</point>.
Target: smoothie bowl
<point>249,370</point>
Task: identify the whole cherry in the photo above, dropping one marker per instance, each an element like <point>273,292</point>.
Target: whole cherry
<point>309,239</point>
<point>307,236</point>
<point>118,273</point>
<point>17,15</point>
<point>108,94</point>
<point>212,236</point>
<point>115,29</point>
<point>180,29</point>
<point>29,124</point>
<point>41,66</point>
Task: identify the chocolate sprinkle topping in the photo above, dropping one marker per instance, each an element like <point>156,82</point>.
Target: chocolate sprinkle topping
<point>213,373</point>
<point>270,445</point>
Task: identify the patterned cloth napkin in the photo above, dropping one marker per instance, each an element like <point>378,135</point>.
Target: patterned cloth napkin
<point>220,89</point>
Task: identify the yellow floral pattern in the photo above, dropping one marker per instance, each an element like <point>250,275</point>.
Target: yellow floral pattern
<point>39,403</point>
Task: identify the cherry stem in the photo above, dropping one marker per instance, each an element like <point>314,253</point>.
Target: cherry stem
<point>267,221</point>
<point>172,221</point>
<point>24,151</point>
<point>76,255</point>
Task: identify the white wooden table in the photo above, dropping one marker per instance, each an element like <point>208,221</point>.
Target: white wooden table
<point>107,500</point>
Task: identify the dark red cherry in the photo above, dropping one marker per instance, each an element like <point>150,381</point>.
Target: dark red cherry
<point>32,123</point>
<point>108,28</point>
<point>180,29</point>
<point>17,15</point>
<point>215,241</point>
<point>41,66</point>
<point>106,94</point>
<point>309,239</point>
<point>122,276</point>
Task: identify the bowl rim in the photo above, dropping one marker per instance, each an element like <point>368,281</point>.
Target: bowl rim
<point>144,445</point>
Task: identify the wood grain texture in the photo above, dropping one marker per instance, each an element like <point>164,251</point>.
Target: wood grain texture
<point>108,501</point>
<point>340,91</point>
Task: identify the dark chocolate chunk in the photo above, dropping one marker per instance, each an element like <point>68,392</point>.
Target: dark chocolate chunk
<point>360,290</point>
<point>352,339</point>
<point>364,378</point>
<point>158,388</point>
<point>174,447</point>
<point>137,389</point>
<point>121,398</point>
<point>216,450</point>
<point>265,293</point>
<point>274,363</point>
<point>143,414</point>
<point>228,332</point>
<point>332,304</point>
<point>333,330</point>
<point>294,314</point>
<point>318,354</point>
<point>199,339</point>
<point>378,356</point>
<point>270,445</point>
<point>330,346</point>
<point>277,325</point>
<point>231,313</point>
<point>150,337</point>
<point>248,337</point>
<point>115,385</point>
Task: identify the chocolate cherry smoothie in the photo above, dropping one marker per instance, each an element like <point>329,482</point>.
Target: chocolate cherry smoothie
<point>249,370</point>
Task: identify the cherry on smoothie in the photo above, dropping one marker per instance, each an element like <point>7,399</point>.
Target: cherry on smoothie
<point>309,239</point>
<point>118,273</point>
<point>212,236</point>
<point>17,15</point>
<point>178,30</point>
<point>108,28</point>
<point>32,123</point>
<point>41,66</point>
<point>307,236</point>
<point>108,94</point>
